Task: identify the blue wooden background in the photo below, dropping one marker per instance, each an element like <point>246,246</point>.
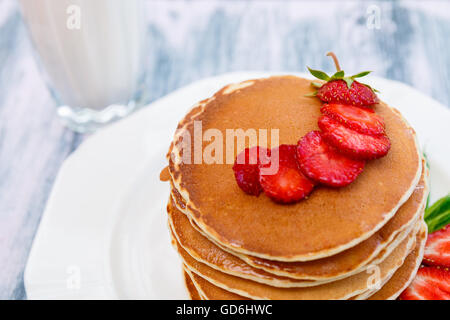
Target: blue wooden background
<point>190,40</point>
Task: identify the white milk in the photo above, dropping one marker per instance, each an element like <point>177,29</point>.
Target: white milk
<point>91,49</point>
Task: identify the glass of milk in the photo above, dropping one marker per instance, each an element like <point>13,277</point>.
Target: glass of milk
<point>92,55</point>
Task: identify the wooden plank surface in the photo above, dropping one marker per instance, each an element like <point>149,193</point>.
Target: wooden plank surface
<point>190,40</point>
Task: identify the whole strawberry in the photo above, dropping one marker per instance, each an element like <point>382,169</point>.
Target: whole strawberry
<point>341,89</point>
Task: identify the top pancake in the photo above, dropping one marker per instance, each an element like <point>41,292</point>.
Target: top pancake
<point>330,220</point>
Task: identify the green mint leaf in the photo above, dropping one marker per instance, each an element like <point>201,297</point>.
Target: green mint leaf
<point>437,216</point>
<point>319,74</point>
<point>439,206</point>
<point>361,74</point>
<point>439,222</point>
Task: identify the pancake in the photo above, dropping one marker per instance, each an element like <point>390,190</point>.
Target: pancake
<point>408,265</point>
<point>236,267</point>
<point>204,251</point>
<point>280,274</point>
<point>341,289</point>
<point>211,292</point>
<point>391,290</point>
<point>405,275</point>
<point>190,287</point>
<point>330,220</point>
<point>421,231</point>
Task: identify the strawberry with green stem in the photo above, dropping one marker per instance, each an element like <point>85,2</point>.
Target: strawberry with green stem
<point>342,89</point>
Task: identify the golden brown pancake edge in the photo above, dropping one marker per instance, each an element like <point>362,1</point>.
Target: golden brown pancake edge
<point>194,238</point>
<point>342,289</point>
<point>190,287</point>
<point>405,275</point>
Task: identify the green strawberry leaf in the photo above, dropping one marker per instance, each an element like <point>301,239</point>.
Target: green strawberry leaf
<point>319,74</point>
<point>361,74</point>
<point>338,75</point>
<point>316,84</point>
<point>437,216</point>
<point>312,94</point>
<point>373,89</point>
<point>349,81</point>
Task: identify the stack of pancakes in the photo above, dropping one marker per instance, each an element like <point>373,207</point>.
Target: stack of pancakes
<point>363,241</point>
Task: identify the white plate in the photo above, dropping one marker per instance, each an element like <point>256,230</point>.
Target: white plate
<point>104,232</point>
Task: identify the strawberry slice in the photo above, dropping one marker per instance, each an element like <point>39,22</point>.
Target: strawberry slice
<point>323,163</point>
<point>429,284</point>
<point>361,120</point>
<point>246,169</point>
<point>437,249</point>
<point>288,184</point>
<point>351,143</point>
<point>287,155</point>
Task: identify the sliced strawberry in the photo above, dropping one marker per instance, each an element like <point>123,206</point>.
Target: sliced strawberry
<point>362,120</point>
<point>430,283</point>
<point>323,163</point>
<point>287,155</point>
<point>437,249</point>
<point>337,91</point>
<point>287,184</point>
<point>351,143</point>
<point>246,169</point>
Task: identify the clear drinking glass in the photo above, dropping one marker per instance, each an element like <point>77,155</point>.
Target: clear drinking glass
<point>91,52</point>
